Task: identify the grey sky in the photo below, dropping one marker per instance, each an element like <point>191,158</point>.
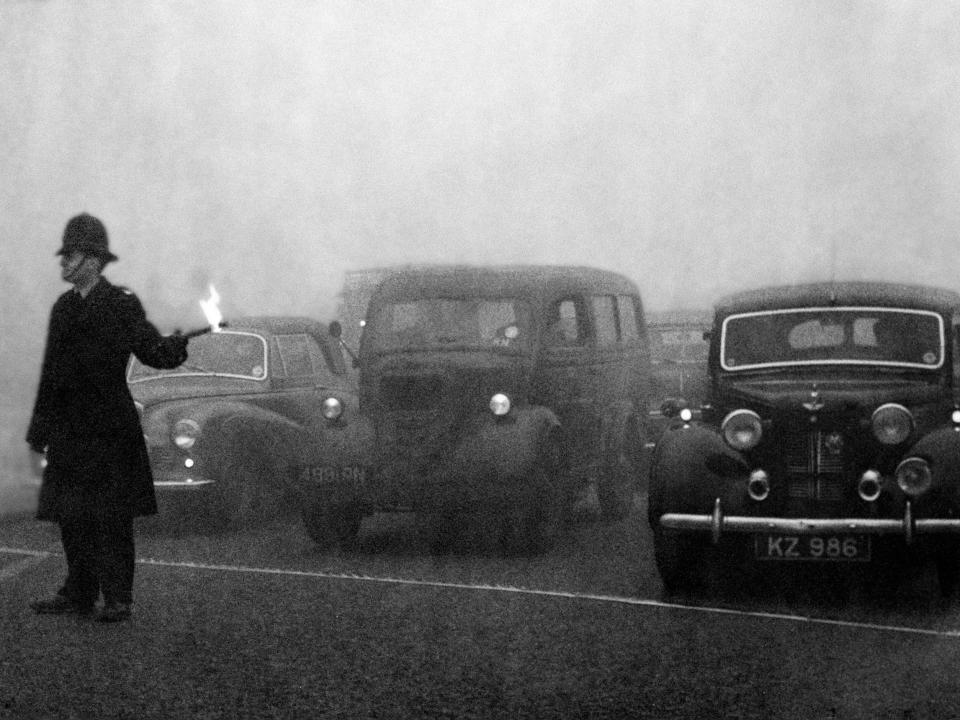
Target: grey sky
<point>697,147</point>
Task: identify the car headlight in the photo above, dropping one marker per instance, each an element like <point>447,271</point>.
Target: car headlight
<point>742,429</point>
<point>891,423</point>
<point>332,408</point>
<point>185,434</point>
<point>500,404</point>
<point>914,476</point>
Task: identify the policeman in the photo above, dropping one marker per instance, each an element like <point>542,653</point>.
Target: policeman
<point>97,477</point>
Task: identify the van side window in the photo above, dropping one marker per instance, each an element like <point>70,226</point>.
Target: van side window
<point>605,318</point>
<point>628,318</point>
<point>566,325</point>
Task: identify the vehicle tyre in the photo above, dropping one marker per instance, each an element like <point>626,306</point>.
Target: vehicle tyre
<point>244,495</point>
<point>616,490</point>
<point>680,561</point>
<point>332,525</point>
<point>536,525</point>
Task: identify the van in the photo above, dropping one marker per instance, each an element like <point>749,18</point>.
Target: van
<point>502,390</point>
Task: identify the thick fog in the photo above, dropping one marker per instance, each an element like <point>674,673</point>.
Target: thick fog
<point>267,147</point>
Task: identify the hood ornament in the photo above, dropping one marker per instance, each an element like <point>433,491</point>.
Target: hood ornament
<point>815,402</point>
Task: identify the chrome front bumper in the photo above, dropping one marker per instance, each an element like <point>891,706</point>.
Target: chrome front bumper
<point>717,524</point>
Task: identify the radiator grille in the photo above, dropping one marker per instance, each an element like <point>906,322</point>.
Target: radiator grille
<point>815,465</point>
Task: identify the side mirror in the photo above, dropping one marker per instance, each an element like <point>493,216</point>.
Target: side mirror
<point>335,329</point>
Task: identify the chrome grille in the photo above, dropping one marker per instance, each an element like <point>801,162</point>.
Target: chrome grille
<point>828,489</point>
<point>815,463</point>
<point>814,453</point>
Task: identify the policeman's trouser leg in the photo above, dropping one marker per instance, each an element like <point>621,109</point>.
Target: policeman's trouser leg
<point>79,538</point>
<point>116,558</point>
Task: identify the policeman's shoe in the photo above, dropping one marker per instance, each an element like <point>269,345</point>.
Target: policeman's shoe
<point>60,605</point>
<point>114,612</point>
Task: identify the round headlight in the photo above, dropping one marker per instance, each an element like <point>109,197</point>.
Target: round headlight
<point>332,408</point>
<point>914,476</point>
<point>185,434</point>
<point>891,423</point>
<point>499,404</point>
<point>741,429</point>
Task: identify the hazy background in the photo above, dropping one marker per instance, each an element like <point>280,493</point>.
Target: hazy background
<point>697,147</point>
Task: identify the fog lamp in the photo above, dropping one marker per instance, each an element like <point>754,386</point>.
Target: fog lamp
<point>758,486</point>
<point>869,486</point>
<point>332,408</point>
<point>891,423</point>
<point>500,404</point>
<point>914,476</point>
<point>185,434</point>
<point>742,429</point>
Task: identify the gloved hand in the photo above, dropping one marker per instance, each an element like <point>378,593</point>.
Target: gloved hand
<point>178,346</point>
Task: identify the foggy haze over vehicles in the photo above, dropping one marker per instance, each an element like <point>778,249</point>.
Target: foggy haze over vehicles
<point>696,148</point>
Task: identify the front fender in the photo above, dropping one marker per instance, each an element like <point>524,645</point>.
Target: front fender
<point>941,449</point>
<point>690,468</point>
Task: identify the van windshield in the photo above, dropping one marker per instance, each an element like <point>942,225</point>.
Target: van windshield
<point>466,323</point>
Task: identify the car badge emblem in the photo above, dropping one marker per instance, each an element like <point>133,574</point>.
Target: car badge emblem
<point>815,402</point>
<point>833,443</point>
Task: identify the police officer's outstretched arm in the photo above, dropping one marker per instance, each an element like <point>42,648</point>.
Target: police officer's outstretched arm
<point>146,342</point>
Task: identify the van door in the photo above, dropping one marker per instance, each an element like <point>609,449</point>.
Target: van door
<point>569,379</point>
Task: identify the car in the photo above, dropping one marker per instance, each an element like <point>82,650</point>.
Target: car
<point>678,347</point>
<point>221,428</point>
<point>831,434</point>
<point>501,391</point>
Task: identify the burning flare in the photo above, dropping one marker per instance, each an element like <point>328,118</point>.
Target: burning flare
<point>211,309</point>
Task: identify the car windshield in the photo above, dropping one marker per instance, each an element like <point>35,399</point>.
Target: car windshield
<point>827,336</point>
<point>678,344</point>
<point>444,322</point>
<point>227,353</point>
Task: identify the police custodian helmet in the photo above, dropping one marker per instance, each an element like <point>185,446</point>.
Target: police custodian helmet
<point>85,233</point>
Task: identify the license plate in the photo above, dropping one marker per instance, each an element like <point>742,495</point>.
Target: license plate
<point>836,548</point>
<point>332,474</point>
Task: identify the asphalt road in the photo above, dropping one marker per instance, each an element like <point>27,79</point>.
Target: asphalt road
<point>261,624</point>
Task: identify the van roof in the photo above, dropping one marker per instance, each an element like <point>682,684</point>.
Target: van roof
<point>500,281</point>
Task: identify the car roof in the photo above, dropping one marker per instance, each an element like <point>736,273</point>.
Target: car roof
<point>276,324</point>
<point>840,293</point>
<point>500,281</point>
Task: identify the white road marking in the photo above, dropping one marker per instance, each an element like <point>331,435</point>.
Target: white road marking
<point>36,556</point>
<point>617,599</point>
<point>18,566</point>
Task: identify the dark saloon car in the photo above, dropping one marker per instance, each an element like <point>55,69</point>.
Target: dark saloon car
<point>222,427</point>
<point>831,434</point>
<point>678,351</point>
<point>497,391</point>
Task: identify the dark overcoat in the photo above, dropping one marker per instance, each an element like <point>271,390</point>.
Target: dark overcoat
<point>84,416</point>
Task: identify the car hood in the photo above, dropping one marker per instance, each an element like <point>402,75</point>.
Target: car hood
<point>829,396</point>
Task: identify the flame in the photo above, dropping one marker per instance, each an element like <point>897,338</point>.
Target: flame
<point>211,309</point>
